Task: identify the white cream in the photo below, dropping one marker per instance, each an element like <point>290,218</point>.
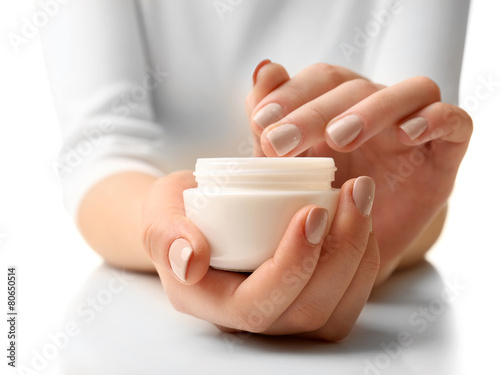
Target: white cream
<point>244,205</point>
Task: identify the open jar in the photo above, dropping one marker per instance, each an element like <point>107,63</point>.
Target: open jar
<point>244,205</point>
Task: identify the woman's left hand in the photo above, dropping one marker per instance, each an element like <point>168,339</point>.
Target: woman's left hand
<point>402,136</point>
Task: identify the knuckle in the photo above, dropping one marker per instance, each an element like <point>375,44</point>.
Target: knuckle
<point>453,116</point>
<point>363,85</point>
<point>300,319</point>
<point>294,95</point>
<point>316,115</point>
<point>308,316</point>
<point>330,72</point>
<point>451,119</point>
<point>155,240</point>
<point>252,321</point>
<point>371,262</point>
<point>371,265</point>
<point>429,86</point>
<point>351,247</point>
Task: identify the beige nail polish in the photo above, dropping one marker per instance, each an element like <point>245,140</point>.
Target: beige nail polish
<point>363,193</point>
<point>316,224</point>
<point>414,127</point>
<point>344,131</point>
<point>284,138</point>
<point>179,255</point>
<point>268,115</point>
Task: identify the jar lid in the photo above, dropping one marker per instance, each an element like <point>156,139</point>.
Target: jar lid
<point>249,164</point>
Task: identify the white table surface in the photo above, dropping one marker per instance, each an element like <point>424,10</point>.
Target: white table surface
<point>122,323</point>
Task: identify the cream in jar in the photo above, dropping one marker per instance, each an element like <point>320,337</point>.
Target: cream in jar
<point>244,205</point>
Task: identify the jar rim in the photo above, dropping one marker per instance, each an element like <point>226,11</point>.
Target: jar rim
<point>266,163</point>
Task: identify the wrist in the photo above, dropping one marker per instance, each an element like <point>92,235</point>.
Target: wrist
<point>109,219</point>
<point>415,253</point>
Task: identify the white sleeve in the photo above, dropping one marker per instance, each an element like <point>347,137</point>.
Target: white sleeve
<point>102,83</point>
<point>433,45</point>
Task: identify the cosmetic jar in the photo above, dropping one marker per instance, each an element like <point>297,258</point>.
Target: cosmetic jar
<point>243,205</point>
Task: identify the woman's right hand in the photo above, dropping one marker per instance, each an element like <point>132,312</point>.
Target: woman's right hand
<point>290,293</point>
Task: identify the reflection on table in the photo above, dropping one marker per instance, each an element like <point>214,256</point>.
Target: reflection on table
<point>127,326</point>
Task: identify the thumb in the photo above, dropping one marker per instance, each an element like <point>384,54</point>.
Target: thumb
<point>171,241</point>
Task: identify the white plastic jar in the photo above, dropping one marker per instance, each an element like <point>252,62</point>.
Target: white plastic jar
<point>244,205</point>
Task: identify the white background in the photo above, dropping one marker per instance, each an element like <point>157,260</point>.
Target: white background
<point>56,270</point>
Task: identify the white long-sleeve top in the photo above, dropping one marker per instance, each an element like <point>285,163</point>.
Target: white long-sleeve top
<point>151,85</point>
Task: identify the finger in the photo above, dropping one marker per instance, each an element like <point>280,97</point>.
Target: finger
<point>380,111</point>
<point>257,69</point>
<point>267,77</point>
<point>343,249</point>
<point>347,311</point>
<point>268,292</point>
<point>438,121</point>
<point>305,86</point>
<point>235,301</point>
<point>305,127</point>
<point>440,135</point>
<point>169,238</point>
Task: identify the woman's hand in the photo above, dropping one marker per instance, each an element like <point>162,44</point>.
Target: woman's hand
<point>289,294</point>
<point>402,136</point>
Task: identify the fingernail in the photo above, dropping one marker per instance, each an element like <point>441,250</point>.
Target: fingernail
<point>363,193</point>
<point>316,224</point>
<point>284,138</point>
<point>414,127</point>
<point>344,131</point>
<point>179,255</point>
<point>257,68</point>
<point>268,115</point>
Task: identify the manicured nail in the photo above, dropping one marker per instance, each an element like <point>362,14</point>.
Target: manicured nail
<point>363,193</point>
<point>257,68</point>
<point>268,115</point>
<point>284,138</point>
<point>316,224</point>
<point>179,255</point>
<point>414,127</point>
<point>344,131</point>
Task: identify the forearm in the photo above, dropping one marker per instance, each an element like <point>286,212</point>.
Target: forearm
<point>109,219</point>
